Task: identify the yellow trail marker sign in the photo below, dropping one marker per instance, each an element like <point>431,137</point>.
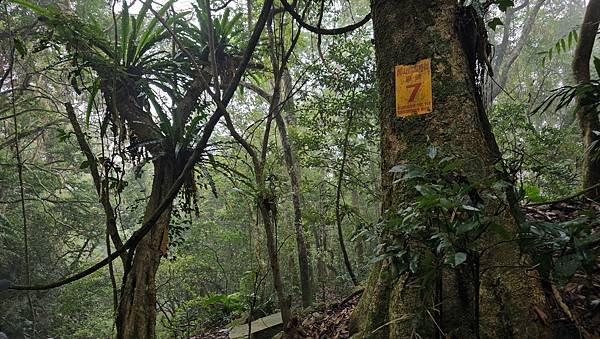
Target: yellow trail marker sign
<point>413,89</point>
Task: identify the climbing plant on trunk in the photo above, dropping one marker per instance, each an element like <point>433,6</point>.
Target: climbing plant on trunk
<point>495,300</point>
<point>128,69</point>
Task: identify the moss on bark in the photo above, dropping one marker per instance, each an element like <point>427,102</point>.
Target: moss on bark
<point>406,32</point>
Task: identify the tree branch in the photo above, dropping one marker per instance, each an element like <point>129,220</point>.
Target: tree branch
<point>111,220</point>
<point>323,31</point>
<point>172,192</point>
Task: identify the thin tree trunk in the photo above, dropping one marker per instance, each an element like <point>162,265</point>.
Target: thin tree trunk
<point>303,255</point>
<point>338,196</point>
<point>249,14</point>
<point>503,65</point>
<point>262,266</point>
<point>266,205</point>
<point>587,115</point>
<point>266,200</point>
<point>496,304</point>
<point>100,184</point>
<point>319,253</point>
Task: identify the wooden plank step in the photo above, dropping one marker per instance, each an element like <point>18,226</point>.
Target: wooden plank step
<point>262,328</point>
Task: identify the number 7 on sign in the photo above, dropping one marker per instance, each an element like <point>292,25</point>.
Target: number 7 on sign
<point>413,88</point>
<point>414,92</point>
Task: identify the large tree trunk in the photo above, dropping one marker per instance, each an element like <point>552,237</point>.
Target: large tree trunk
<point>406,32</point>
<point>137,308</point>
<point>587,115</point>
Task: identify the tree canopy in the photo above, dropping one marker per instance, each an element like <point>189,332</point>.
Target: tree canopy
<point>173,168</point>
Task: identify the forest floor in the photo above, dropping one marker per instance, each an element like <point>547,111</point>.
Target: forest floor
<point>322,321</point>
<point>579,301</point>
<point>572,302</point>
<point>330,321</point>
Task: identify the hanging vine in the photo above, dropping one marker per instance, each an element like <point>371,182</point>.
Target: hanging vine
<point>20,175</point>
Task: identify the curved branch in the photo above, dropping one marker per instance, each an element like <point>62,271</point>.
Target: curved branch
<point>256,89</point>
<point>170,196</point>
<point>109,211</point>
<point>323,31</point>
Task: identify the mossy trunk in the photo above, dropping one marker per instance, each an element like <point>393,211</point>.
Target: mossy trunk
<point>137,306</point>
<point>587,115</point>
<point>472,304</point>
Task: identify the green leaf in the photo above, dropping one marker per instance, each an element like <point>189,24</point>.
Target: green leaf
<point>410,172</point>
<point>466,226</point>
<point>495,23</point>
<point>566,266</point>
<point>91,98</point>
<point>413,172</point>
<point>124,32</point>
<point>151,28</point>
<point>35,8</point>
<point>597,65</point>
<point>425,190</point>
<point>470,208</point>
<point>459,258</point>
<point>85,164</point>
<point>20,47</point>
<point>503,5</point>
<point>570,39</point>
<point>165,123</point>
<point>399,169</point>
<point>432,152</point>
<point>142,16</point>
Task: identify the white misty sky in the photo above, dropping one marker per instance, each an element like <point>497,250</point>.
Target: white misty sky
<point>180,5</point>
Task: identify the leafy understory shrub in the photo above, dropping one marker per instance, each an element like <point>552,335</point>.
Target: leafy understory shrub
<point>447,224</point>
<point>563,249</point>
<point>442,225</point>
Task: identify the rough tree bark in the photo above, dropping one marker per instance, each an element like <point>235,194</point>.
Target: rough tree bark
<point>406,32</point>
<point>587,115</point>
<point>359,242</point>
<point>136,316</point>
